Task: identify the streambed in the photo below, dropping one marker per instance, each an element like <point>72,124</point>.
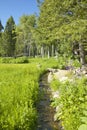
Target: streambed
<point>45,111</point>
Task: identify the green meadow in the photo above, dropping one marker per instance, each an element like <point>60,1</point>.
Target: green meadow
<point>19,93</point>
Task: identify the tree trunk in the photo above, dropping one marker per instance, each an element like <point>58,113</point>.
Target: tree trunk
<point>48,52</point>
<point>42,51</point>
<point>52,50</point>
<point>81,54</point>
<point>29,52</point>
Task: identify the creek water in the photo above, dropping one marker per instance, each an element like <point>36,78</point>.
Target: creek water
<point>45,111</point>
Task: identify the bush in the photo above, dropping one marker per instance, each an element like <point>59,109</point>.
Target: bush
<point>55,84</point>
<point>76,63</point>
<point>72,103</point>
<point>14,60</point>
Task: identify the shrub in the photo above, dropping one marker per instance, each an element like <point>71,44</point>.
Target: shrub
<point>72,103</point>
<point>14,60</point>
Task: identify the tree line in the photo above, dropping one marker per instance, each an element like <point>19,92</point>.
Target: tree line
<point>60,29</point>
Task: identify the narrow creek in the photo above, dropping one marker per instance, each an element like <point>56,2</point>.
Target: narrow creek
<point>45,111</point>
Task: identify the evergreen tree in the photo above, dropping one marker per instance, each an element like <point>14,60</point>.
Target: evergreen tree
<point>75,30</point>
<point>1,43</point>
<point>63,23</point>
<point>9,38</point>
<point>1,26</point>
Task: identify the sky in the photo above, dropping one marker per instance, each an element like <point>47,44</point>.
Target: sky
<point>16,8</point>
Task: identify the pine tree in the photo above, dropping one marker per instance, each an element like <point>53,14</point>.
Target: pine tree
<point>63,23</point>
<point>1,43</point>
<point>9,38</point>
<point>1,26</point>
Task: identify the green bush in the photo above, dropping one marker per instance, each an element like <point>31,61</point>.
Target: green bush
<point>55,84</point>
<point>72,103</point>
<point>14,60</point>
<point>61,63</point>
<point>76,63</point>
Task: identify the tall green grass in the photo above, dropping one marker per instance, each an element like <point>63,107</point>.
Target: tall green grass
<point>19,93</point>
<point>18,96</point>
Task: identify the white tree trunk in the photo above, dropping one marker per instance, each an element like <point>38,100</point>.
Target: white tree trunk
<point>52,50</point>
<point>48,52</point>
<point>81,53</point>
<point>42,51</point>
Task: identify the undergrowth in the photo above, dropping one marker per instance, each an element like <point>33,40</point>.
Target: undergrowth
<point>72,103</point>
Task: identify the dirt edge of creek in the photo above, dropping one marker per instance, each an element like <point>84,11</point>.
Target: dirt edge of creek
<point>45,111</point>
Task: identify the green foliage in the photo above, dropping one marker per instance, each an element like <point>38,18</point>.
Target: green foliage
<point>21,60</point>
<point>55,84</point>
<point>1,27</point>
<point>62,62</point>
<point>9,38</point>
<point>67,26</point>
<point>83,127</point>
<point>62,31</point>
<point>76,63</point>
<point>14,60</point>
<point>72,103</point>
<point>25,42</point>
<point>19,93</point>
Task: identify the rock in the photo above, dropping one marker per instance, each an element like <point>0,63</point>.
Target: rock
<point>63,78</point>
<point>55,94</point>
<point>84,72</point>
<point>55,117</point>
<point>80,71</point>
<point>61,74</point>
<point>52,70</point>
<point>57,108</point>
<point>50,77</point>
<point>57,74</point>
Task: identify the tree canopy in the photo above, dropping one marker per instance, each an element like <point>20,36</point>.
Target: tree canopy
<point>59,29</point>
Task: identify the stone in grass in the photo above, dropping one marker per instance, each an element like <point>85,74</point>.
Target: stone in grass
<point>50,77</point>
<point>64,78</point>
<point>55,94</point>
<point>56,116</point>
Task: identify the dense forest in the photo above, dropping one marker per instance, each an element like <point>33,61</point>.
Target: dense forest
<point>60,29</point>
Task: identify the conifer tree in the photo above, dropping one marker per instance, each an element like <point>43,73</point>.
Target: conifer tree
<point>64,23</point>
<point>1,26</point>
<point>1,43</point>
<point>9,38</point>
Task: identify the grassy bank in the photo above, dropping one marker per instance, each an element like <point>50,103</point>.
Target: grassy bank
<point>19,93</point>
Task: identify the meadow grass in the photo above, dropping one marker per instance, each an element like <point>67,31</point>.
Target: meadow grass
<point>19,93</point>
